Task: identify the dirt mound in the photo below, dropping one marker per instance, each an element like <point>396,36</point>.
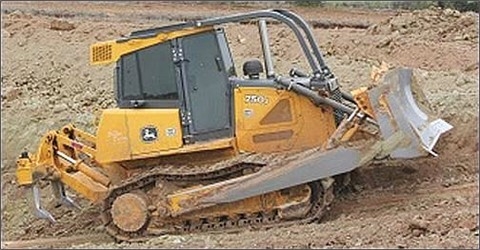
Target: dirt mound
<point>432,39</point>
<point>432,24</point>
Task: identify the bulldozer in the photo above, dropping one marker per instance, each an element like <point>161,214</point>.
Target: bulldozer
<point>191,146</point>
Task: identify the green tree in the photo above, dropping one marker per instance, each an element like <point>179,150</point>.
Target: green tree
<point>309,3</point>
<point>460,5</point>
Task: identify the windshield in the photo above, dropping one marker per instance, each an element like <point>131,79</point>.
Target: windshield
<point>148,74</point>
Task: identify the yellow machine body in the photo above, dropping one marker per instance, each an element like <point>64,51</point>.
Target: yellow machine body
<point>110,51</point>
<point>279,120</point>
<point>283,121</point>
<point>119,133</point>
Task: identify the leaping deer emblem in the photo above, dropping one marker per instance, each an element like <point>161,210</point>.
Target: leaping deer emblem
<point>149,134</point>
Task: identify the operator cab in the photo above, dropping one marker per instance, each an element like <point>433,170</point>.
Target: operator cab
<point>189,73</point>
<point>192,72</point>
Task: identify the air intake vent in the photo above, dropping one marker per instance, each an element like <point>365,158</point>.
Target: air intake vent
<point>101,53</point>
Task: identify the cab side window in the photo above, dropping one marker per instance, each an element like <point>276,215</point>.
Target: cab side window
<point>148,74</point>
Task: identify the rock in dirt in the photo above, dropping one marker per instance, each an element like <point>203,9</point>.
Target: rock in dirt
<point>417,232</point>
<point>19,14</point>
<point>99,229</point>
<point>6,34</point>
<point>62,25</point>
<point>418,226</point>
<point>11,94</point>
<point>60,108</point>
<point>470,224</point>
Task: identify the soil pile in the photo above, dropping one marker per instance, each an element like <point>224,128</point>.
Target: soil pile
<point>435,24</point>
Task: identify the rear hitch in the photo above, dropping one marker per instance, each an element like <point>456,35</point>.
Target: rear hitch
<point>27,176</point>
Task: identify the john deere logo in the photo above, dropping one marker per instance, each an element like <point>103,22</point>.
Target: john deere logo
<point>149,134</point>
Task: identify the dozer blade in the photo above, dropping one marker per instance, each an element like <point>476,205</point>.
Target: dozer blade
<point>396,104</point>
<point>316,166</point>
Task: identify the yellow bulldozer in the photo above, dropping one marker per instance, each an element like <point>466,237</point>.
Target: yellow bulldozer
<point>192,146</point>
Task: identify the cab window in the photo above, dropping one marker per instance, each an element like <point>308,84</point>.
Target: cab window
<point>148,74</point>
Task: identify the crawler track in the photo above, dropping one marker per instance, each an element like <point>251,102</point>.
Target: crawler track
<point>320,199</point>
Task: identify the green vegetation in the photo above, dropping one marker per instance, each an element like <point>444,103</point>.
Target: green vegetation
<point>460,5</point>
<point>308,3</point>
<point>408,5</point>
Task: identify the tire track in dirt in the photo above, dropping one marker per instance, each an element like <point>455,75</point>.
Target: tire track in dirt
<point>377,201</point>
<point>57,242</point>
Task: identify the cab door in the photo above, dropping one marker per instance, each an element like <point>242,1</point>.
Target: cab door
<point>206,88</point>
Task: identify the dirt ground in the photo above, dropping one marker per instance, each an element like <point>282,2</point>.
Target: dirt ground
<point>425,203</point>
